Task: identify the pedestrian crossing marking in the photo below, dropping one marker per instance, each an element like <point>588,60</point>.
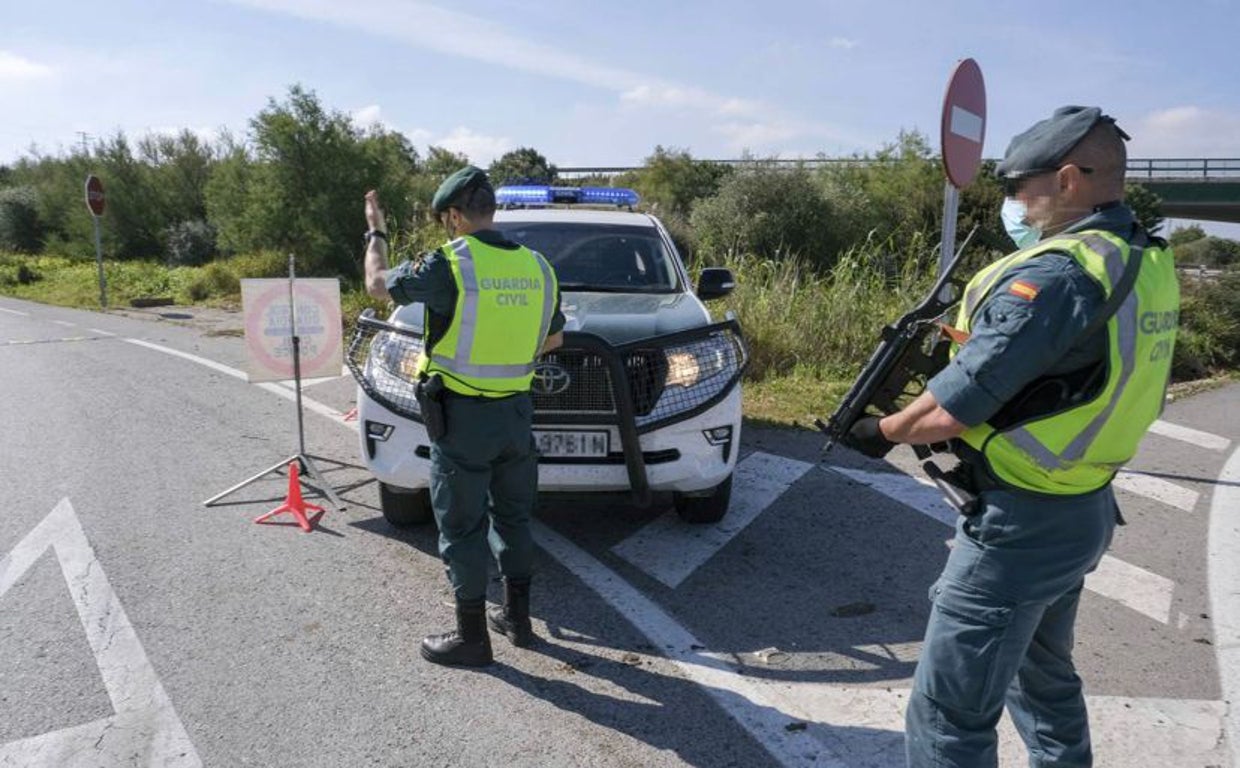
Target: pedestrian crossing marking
<point>1190,435</point>
<point>1131,586</point>
<point>670,551</point>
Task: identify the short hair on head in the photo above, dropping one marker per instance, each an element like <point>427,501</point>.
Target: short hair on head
<point>1102,149</point>
<point>477,202</point>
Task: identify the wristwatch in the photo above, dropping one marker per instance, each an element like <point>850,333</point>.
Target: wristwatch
<point>368,236</point>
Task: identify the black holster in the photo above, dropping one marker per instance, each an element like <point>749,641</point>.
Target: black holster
<point>429,392</point>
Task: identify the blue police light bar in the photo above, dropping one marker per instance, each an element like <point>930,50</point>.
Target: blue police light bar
<point>541,194</point>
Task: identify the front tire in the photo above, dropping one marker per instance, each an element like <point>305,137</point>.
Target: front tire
<point>704,508</point>
<point>405,507</point>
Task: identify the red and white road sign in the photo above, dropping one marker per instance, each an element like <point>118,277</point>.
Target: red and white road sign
<point>964,123</point>
<point>94,195</point>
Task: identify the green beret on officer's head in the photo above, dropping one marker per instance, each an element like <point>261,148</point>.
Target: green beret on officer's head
<point>456,185</point>
<point>1041,148</point>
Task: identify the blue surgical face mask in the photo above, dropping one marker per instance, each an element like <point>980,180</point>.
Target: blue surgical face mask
<point>1021,232</point>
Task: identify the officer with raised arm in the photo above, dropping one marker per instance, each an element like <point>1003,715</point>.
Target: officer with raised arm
<point>492,307</point>
<point>1065,366</point>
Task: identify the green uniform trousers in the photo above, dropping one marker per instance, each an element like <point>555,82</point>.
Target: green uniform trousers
<point>484,483</point>
<point>1001,633</point>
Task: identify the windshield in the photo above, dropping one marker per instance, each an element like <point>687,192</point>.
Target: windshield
<point>599,257</point>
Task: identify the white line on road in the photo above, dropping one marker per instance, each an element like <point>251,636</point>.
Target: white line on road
<point>742,698</point>
<point>1190,435</point>
<point>65,323</point>
<point>1224,579</point>
<point>101,333</point>
<point>1136,588</point>
<point>15,312</point>
<point>1156,488</point>
<point>220,367</point>
<point>670,551</point>
<point>145,729</point>
<point>287,394</point>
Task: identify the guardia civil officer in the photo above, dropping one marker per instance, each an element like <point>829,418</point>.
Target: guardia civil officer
<point>492,307</point>
<point>1064,368</point>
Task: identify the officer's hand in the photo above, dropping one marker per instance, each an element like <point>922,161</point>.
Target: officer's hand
<point>374,213</point>
<point>866,437</point>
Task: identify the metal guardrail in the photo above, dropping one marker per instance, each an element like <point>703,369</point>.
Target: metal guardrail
<point>1157,169</point>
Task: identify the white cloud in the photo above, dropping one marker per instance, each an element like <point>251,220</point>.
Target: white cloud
<point>368,115</point>
<point>439,29</point>
<point>844,43</point>
<point>15,68</point>
<point>1186,131</point>
<point>479,148</point>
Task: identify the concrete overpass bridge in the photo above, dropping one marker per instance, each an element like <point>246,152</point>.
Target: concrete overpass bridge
<point>1206,189</point>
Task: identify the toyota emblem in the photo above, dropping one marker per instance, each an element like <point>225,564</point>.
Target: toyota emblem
<point>550,379</point>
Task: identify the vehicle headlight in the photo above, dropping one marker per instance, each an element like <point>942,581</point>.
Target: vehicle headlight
<point>397,355</point>
<point>682,369</point>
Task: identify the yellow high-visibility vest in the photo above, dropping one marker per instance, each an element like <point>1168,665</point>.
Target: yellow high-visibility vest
<point>1079,449</point>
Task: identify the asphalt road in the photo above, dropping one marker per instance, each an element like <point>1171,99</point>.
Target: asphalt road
<point>139,628</point>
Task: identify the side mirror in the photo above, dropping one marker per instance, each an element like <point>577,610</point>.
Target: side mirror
<point>715,283</point>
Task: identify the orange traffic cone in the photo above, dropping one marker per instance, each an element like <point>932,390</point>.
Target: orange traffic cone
<point>294,503</point>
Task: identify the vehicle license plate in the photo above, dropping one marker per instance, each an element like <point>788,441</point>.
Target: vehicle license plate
<point>564,443</point>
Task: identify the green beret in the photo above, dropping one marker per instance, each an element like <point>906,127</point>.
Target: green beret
<point>456,185</point>
<point>1042,147</point>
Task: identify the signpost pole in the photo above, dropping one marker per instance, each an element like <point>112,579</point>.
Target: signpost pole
<point>103,280</point>
<point>951,211</point>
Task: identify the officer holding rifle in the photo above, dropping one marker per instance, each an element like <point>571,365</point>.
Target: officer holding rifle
<point>1064,365</point>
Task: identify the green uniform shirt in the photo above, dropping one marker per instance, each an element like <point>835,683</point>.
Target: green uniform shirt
<point>428,279</point>
<point>1012,344</point>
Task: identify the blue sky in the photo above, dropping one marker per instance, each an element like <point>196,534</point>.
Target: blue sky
<point>603,83</point>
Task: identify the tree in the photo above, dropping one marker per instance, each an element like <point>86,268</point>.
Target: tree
<point>1146,206</point>
<point>672,181</point>
<point>1188,234</point>
<point>522,166</point>
<point>300,188</point>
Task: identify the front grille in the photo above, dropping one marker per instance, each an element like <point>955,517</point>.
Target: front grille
<point>589,388</point>
<point>589,383</point>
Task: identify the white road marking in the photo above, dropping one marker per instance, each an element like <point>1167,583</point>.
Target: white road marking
<point>220,367</point>
<point>1224,579</point>
<point>65,323</point>
<point>1137,732</point>
<point>1141,590</point>
<point>1156,488</point>
<point>14,312</point>
<point>287,394</point>
<point>145,729</point>
<point>1190,435</point>
<point>1136,588</point>
<point>101,333</point>
<point>743,698</point>
<point>671,551</point>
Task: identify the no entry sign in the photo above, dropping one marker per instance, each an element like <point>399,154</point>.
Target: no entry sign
<point>964,123</point>
<point>94,195</point>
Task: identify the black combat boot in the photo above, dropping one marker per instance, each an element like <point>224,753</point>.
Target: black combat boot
<point>513,618</point>
<point>468,646</point>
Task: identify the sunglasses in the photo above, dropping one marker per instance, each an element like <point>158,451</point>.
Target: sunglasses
<point>1013,185</point>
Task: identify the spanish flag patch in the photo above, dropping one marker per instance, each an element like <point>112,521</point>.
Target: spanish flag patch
<point>1027,291</point>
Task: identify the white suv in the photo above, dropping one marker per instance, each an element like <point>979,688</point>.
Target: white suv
<point>644,395</point>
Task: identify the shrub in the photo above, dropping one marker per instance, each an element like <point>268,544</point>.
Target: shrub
<point>765,211</point>
<point>20,227</point>
<point>190,243</point>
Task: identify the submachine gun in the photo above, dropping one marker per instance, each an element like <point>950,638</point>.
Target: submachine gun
<point>910,351</point>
